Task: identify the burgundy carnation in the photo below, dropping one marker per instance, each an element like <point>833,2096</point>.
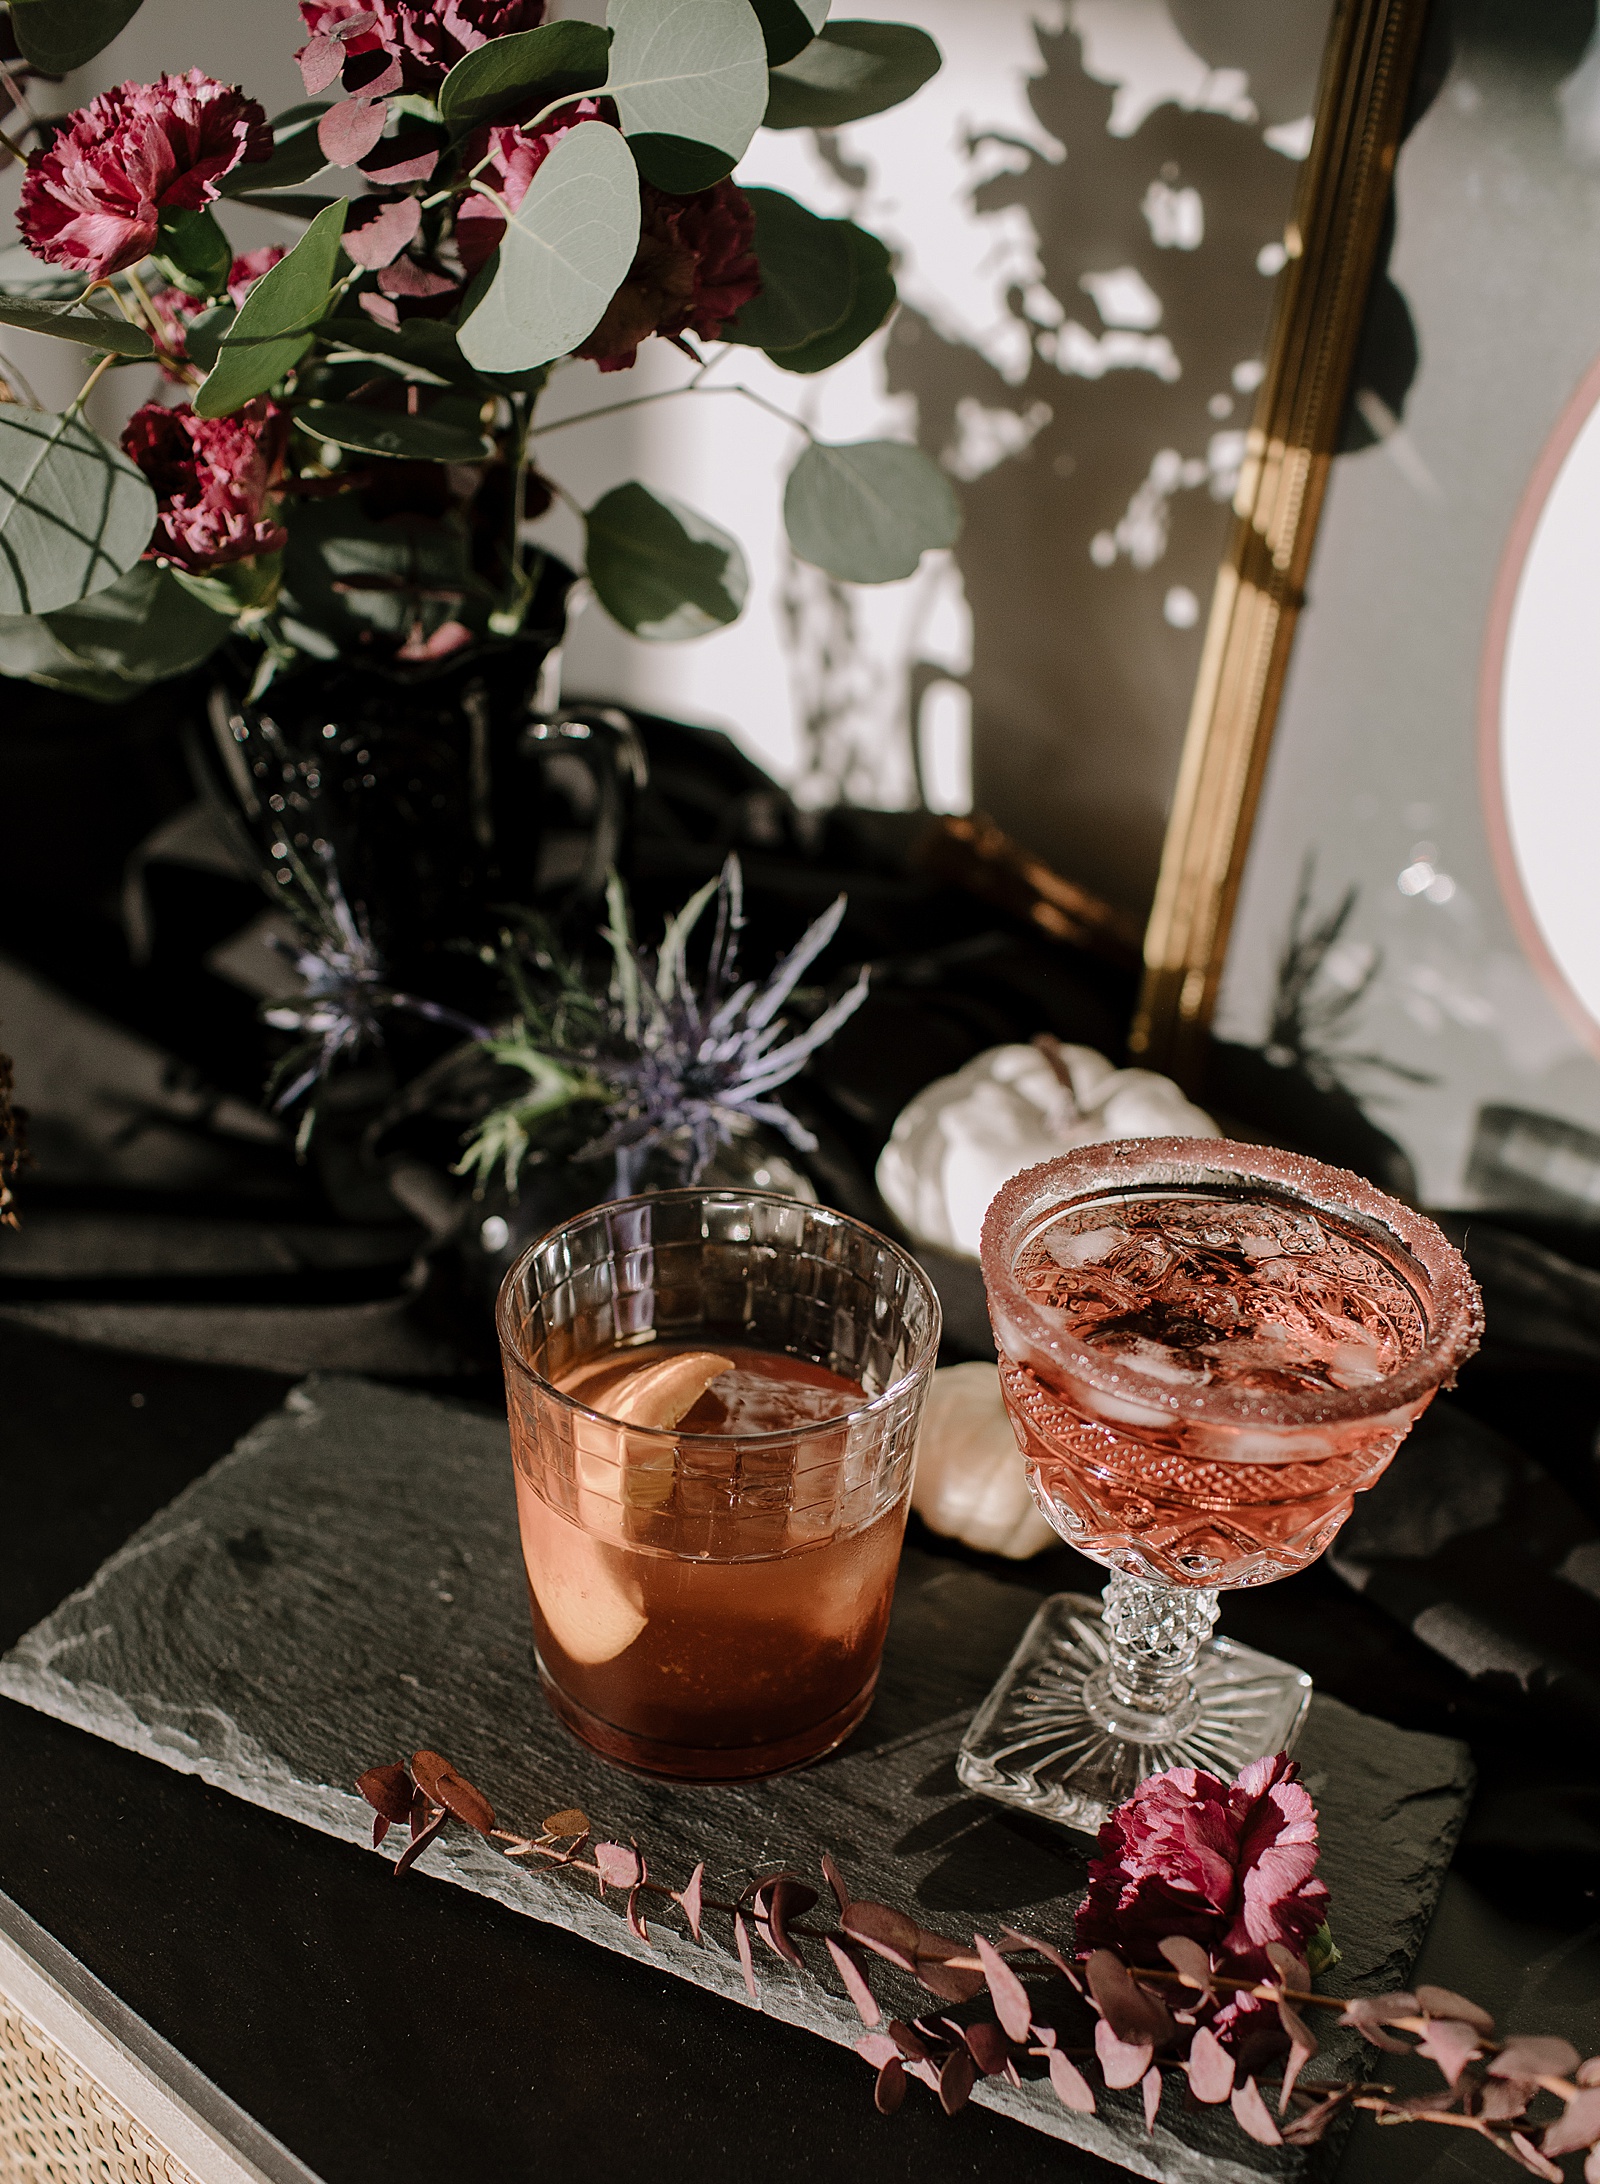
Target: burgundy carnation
<point>93,198</point>
<point>694,269</point>
<point>211,476</point>
<point>422,39</point>
<point>1232,1867</point>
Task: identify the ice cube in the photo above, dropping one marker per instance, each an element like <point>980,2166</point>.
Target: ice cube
<point>1086,1249</point>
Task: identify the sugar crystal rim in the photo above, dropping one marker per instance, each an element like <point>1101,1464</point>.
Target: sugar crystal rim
<point>1450,1299</point>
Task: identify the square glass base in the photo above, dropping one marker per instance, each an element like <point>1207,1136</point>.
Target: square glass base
<point>1033,1742</point>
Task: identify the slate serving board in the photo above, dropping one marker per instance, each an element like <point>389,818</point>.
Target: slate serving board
<point>346,1587</point>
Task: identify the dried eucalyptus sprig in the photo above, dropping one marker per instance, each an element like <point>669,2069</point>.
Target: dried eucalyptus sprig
<point>1079,2023</point>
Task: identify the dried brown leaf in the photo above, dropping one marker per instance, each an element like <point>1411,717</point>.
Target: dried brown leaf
<point>1069,2085</point>
<point>1190,1962</point>
<point>1579,2126</point>
<point>778,1902</point>
<point>1441,2002</point>
<point>1452,2045</point>
<point>1501,2100</point>
<point>618,1866</point>
<point>1011,2004</point>
<point>910,2046</point>
<point>1308,2127</point>
<point>935,1971</point>
<point>836,1881</point>
<point>1122,2062</point>
<point>636,1916</point>
<point>1588,2073</point>
<point>1531,2158</point>
<point>1046,1949</point>
<point>1210,2068</point>
<point>1150,2087</point>
<point>436,1778</point>
<point>1370,2013</point>
<point>1302,2046</point>
<point>388,1791</point>
<point>890,1933</point>
<point>890,2089</point>
<point>1250,2113</point>
<point>877,2047</point>
<point>567,1823</point>
<point>988,2046</point>
<point>688,1899</point>
<point>380,1828</point>
<point>1132,2014</point>
<point>855,1983</point>
<point>747,1962</point>
<point>1292,1971</point>
<point>958,2074</point>
<point>1534,2056</point>
<point>417,1845</point>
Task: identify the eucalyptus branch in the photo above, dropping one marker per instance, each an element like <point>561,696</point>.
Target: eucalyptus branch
<point>75,406</point>
<point>667,394</point>
<point>10,143</point>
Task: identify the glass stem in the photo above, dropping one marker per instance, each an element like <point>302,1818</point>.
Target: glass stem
<point>1154,1635</point>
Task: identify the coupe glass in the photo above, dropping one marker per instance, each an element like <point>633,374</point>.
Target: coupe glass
<point>1206,1350</point>
<point>713,1605</point>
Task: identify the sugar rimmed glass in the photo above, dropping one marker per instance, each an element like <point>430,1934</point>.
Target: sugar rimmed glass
<point>1206,1350</point>
<point>713,1606</point>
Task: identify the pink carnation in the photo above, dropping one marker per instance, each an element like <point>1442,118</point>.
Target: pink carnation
<point>211,476</point>
<point>92,200</point>
<point>1230,1866</point>
<point>394,45</point>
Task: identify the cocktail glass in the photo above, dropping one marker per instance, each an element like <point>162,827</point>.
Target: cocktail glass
<point>1206,1350</point>
<point>713,1605</point>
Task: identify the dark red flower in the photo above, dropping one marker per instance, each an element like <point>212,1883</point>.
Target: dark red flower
<point>421,40</point>
<point>211,477</point>
<point>695,267</point>
<point>93,198</point>
<point>1231,1866</point>
<point>177,309</point>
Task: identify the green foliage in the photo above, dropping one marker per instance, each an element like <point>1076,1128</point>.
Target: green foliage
<point>807,276</point>
<point>422,349</point>
<point>60,35</point>
<point>74,512</point>
<point>355,576</point>
<point>788,26</point>
<point>194,252</point>
<point>872,298</point>
<point>690,81</point>
<point>850,70</point>
<point>421,439</point>
<point>273,329</point>
<point>72,321</point>
<point>505,1136</point>
<point>660,569</point>
<point>868,512</point>
<point>565,252</point>
<point>296,154</point>
<point>141,630</point>
<point>555,61</point>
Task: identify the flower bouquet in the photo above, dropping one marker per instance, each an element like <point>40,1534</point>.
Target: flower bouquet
<point>349,454</point>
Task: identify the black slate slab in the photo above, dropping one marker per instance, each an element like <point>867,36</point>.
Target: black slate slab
<point>346,1586</point>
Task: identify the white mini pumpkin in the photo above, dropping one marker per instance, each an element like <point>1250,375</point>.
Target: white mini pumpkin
<point>970,1484</point>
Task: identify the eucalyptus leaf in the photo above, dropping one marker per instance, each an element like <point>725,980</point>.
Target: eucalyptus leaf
<point>74,322</point>
<point>808,273</point>
<point>565,253</point>
<point>555,61</point>
<point>273,330</point>
<point>60,35</point>
<point>872,298</point>
<point>202,337</point>
<point>425,349</point>
<point>660,569</point>
<point>143,628</point>
<point>867,513</point>
<point>74,512</point>
<point>789,26</point>
<point>850,70</point>
<point>194,251</point>
<point>23,275</point>
<point>689,78</point>
<point>349,574</point>
<point>296,154</point>
<point>392,433</point>
<point>289,204</point>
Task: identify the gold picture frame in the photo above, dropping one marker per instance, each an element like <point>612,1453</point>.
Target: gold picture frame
<point>1332,244</point>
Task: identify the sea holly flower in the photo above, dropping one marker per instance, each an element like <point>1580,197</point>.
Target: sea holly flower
<point>395,45</point>
<point>1231,1866</point>
<point>211,477</point>
<point>93,199</point>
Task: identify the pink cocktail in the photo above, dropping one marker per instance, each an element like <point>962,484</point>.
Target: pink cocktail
<point>1206,1350</point>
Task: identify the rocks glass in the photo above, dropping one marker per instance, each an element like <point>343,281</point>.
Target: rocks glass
<point>1206,1349</point>
<point>710,1597</point>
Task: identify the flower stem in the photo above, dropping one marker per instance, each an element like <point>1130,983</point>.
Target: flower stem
<point>666,394</point>
<point>89,385</point>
